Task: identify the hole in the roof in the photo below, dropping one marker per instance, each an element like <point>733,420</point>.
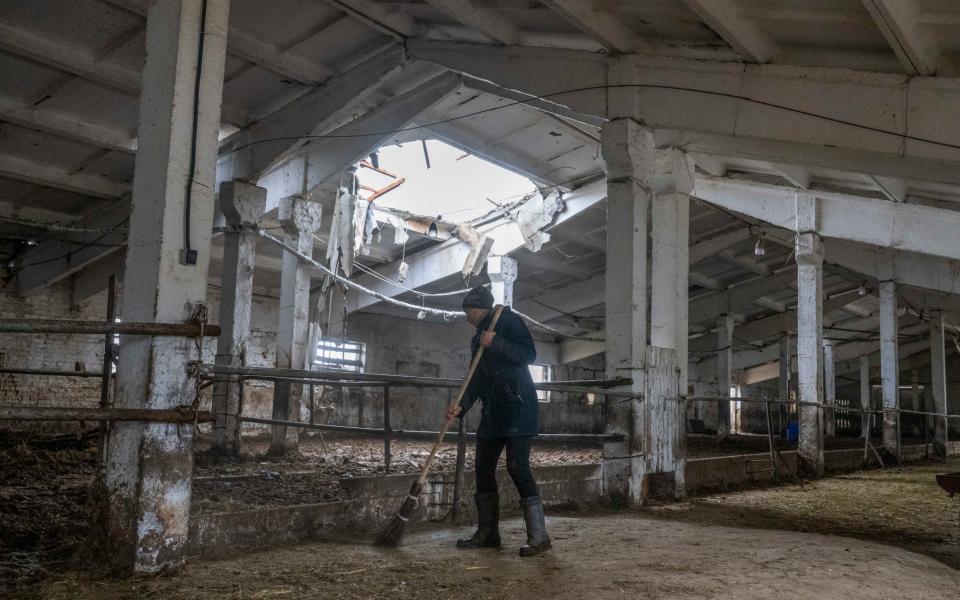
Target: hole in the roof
<point>438,178</point>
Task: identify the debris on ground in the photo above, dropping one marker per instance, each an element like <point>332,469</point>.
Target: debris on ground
<point>43,505</point>
<point>901,506</point>
<point>597,556</point>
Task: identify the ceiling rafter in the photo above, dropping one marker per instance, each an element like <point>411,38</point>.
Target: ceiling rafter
<point>897,20</point>
<point>250,49</point>
<point>65,126</point>
<point>605,27</point>
<point>22,169</point>
<point>739,32</point>
<point>485,20</point>
<point>387,20</point>
<point>70,59</point>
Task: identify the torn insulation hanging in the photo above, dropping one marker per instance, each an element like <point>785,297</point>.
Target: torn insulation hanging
<point>448,315</point>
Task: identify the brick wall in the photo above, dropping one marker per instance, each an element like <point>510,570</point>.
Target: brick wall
<point>60,352</point>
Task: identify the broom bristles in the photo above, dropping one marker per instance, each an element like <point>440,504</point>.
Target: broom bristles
<point>393,532</point>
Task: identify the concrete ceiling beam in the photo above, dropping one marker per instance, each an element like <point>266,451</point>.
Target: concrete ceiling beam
<point>312,168</point>
<point>744,263</point>
<point>66,126</point>
<point>736,29</point>
<point>605,27</point>
<point>707,248</point>
<point>782,127</point>
<point>56,54</point>
<point>708,307</point>
<point>56,259</point>
<point>485,20</point>
<point>909,227</point>
<point>245,46</point>
<point>393,21</point>
<point>327,107</point>
<point>58,177</point>
<point>897,20</point>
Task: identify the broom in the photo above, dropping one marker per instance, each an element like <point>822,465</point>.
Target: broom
<point>391,534</point>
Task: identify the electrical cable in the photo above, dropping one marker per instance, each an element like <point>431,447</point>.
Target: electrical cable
<point>68,254</point>
<point>564,313</point>
<point>448,315</point>
<point>594,88</point>
<point>386,279</point>
<point>537,323</point>
<point>193,134</point>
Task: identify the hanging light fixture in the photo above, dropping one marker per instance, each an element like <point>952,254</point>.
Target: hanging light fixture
<point>758,249</point>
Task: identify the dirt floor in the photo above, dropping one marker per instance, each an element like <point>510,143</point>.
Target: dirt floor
<point>901,506</point>
<point>44,488</point>
<point>604,556</point>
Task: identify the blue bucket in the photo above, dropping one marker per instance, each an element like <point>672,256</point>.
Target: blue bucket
<point>793,431</point>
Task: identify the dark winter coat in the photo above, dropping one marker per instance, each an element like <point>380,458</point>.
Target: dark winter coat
<point>502,381</point>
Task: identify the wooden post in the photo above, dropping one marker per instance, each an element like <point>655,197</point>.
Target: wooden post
<point>770,443</point>
<point>458,480</point>
<point>386,429</point>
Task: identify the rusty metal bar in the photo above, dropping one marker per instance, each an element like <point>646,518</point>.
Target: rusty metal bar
<point>552,437</point>
<point>320,426</point>
<point>600,387</point>
<point>56,413</point>
<point>50,372</point>
<point>64,326</point>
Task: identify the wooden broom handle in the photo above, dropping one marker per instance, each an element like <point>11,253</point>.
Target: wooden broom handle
<point>463,389</point>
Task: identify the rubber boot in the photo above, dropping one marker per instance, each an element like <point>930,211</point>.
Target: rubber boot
<point>488,520</point>
<point>537,539</point>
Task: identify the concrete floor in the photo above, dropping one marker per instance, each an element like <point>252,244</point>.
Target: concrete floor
<point>899,538</point>
<point>626,555</point>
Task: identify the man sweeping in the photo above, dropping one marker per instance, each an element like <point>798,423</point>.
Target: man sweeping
<point>509,419</point>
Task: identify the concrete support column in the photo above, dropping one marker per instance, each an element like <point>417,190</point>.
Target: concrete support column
<point>938,378</point>
<point>300,219</point>
<point>242,204</point>
<point>724,372</point>
<point>865,394</point>
<point>889,368</point>
<point>149,465</point>
<point>502,271</point>
<point>829,391</point>
<point>667,359</point>
<point>628,150</point>
<point>809,253</point>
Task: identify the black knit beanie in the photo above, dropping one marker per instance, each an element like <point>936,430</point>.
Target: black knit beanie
<point>478,297</point>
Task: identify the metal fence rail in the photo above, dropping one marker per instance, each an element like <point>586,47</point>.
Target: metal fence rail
<point>61,413</point>
<point>65,326</point>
